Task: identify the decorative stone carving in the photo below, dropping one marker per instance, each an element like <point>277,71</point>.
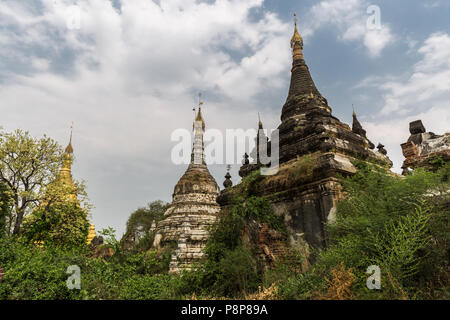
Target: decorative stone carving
<point>227,183</point>
<point>381,149</point>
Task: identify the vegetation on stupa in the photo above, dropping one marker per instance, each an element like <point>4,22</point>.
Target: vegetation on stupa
<point>400,224</point>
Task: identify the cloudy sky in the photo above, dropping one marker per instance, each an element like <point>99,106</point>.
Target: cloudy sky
<point>127,72</point>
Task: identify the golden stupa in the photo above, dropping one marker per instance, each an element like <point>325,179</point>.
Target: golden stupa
<point>65,177</point>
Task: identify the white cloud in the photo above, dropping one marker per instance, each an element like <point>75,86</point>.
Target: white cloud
<point>423,94</point>
<point>429,82</point>
<point>349,18</point>
<point>393,132</point>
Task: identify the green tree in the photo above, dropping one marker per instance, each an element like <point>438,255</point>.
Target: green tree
<point>62,224</point>
<point>27,166</point>
<point>5,207</point>
<point>138,234</point>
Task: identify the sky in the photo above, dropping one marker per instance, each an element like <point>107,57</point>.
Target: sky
<point>128,72</point>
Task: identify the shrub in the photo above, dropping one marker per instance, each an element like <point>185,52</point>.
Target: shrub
<point>63,224</point>
<point>390,221</point>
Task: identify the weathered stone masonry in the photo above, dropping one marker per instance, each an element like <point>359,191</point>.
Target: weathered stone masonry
<point>422,147</point>
<point>308,128</point>
<point>193,208</point>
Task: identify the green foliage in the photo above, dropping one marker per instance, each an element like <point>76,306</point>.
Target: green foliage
<point>225,235</point>
<point>301,286</point>
<point>258,209</point>
<point>249,184</point>
<point>138,236</point>
<point>6,201</point>
<point>292,262</point>
<point>236,273</point>
<point>400,224</point>
<point>231,268</point>
<point>109,236</point>
<point>390,221</point>
<point>303,167</point>
<point>149,287</point>
<point>34,273</point>
<point>40,273</point>
<point>62,224</point>
<point>27,166</point>
<point>436,163</point>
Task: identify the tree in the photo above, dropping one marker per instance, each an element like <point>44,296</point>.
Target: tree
<point>29,167</point>
<point>63,224</point>
<point>5,207</point>
<point>140,222</point>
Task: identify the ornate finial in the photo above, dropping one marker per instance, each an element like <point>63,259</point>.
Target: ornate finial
<point>381,149</point>
<point>296,38</point>
<point>245,161</point>
<point>69,148</point>
<point>354,113</point>
<point>260,125</point>
<point>65,172</point>
<point>228,183</point>
<point>200,102</point>
<point>199,116</point>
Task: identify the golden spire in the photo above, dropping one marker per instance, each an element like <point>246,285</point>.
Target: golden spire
<point>199,113</point>
<point>296,38</point>
<point>66,169</point>
<point>296,42</point>
<point>354,113</point>
<point>69,148</point>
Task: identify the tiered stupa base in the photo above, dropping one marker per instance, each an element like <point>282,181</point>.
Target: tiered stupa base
<point>188,219</point>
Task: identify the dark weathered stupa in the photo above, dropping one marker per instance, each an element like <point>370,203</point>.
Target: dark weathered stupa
<point>307,124</point>
<point>314,148</point>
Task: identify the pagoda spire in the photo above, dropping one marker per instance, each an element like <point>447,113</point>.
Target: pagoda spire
<point>66,169</point>
<point>69,148</point>
<point>296,42</point>
<point>358,129</point>
<point>199,127</point>
<point>301,80</point>
<point>356,125</point>
<point>260,125</point>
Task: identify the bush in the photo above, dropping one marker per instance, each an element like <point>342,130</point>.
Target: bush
<point>138,237</point>
<point>232,269</point>
<point>34,273</point>
<point>63,224</point>
<point>391,222</point>
<point>236,273</point>
<point>301,286</point>
<point>156,287</point>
